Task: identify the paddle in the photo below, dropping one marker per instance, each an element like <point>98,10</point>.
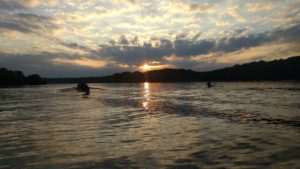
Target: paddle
<point>96,88</point>
<point>67,89</point>
<point>74,88</point>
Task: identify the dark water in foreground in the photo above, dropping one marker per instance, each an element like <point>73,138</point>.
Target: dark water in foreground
<point>175,125</point>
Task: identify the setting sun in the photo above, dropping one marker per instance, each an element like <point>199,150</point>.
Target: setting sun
<point>146,67</point>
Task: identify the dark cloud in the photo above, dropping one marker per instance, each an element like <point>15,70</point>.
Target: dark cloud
<point>36,24</point>
<point>123,40</point>
<point>200,7</point>
<point>197,36</point>
<point>42,64</point>
<point>133,54</point>
<point>15,27</point>
<point>11,5</point>
<point>183,46</point>
<point>26,23</point>
<point>230,44</point>
<point>291,34</point>
<point>186,47</point>
<point>135,41</point>
<point>75,46</point>
<point>240,31</point>
<point>31,17</point>
<point>165,43</point>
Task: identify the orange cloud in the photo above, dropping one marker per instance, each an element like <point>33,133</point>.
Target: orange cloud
<point>31,3</point>
<point>81,62</point>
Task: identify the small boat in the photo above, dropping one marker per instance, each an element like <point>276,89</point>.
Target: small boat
<point>208,84</point>
<point>83,87</point>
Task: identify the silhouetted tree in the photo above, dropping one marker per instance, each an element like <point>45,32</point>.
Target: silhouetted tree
<point>34,79</point>
<point>9,77</point>
<point>288,69</point>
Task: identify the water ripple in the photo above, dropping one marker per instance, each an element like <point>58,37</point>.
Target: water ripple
<point>174,125</point>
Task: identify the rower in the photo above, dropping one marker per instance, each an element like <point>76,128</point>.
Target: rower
<point>86,89</point>
<point>209,85</point>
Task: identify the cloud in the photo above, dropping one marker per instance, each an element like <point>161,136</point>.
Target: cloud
<point>18,4</point>
<point>15,27</point>
<point>187,47</point>
<point>161,49</point>
<point>74,46</point>
<point>123,1</point>
<point>126,50</point>
<point>43,26</point>
<point>291,34</point>
<point>133,55</point>
<point>26,23</point>
<point>123,40</point>
<point>260,6</point>
<point>93,63</point>
<point>52,2</point>
<point>182,52</point>
<point>58,64</point>
<point>30,3</point>
<point>236,13</point>
<point>229,44</point>
<point>177,6</point>
<point>265,52</point>
<point>11,5</point>
<point>201,8</point>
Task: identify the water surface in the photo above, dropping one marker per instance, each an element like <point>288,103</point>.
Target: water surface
<point>151,125</point>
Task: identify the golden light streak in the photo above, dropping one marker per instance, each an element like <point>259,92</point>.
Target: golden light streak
<point>148,67</point>
<point>81,62</point>
<point>146,95</point>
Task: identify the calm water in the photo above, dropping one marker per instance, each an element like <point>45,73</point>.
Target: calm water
<point>174,125</point>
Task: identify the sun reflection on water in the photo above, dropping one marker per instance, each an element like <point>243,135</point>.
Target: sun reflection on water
<point>146,95</point>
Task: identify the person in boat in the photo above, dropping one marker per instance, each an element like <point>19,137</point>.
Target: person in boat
<point>86,89</point>
<point>83,87</point>
<point>209,85</point>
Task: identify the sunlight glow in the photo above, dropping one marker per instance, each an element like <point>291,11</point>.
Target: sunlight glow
<point>146,86</point>
<point>145,67</point>
<point>81,62</point>
<point>146,95</point>
<point>148,67</point>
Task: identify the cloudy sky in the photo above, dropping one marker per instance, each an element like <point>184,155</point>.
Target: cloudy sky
<point>73,38</point>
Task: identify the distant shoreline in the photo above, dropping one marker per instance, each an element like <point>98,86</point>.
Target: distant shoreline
<point>277,70</point>
<point>262,71</point>
<point>262,81</point>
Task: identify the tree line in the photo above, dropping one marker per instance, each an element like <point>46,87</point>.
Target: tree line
<point>276,70</point>
<point>12,78</point>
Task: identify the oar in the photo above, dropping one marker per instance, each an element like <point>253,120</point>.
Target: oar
<point>96,88</point>
<point>67,89</point>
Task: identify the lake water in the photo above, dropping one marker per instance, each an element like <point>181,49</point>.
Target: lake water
<point>152,125</point>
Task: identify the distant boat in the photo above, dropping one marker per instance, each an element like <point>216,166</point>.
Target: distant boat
<point>83,87</point>
<point>209,85</point>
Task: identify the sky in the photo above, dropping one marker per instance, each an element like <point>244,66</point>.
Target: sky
<point>78,38</point>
